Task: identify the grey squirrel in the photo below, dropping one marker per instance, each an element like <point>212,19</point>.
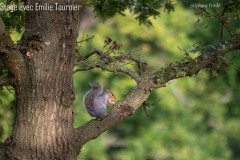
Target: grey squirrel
<point>96,100</point>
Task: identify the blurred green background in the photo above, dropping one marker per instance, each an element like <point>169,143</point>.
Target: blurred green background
<point>194,118</point>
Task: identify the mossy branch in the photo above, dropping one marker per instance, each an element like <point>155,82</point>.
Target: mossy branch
<point>127,106</point>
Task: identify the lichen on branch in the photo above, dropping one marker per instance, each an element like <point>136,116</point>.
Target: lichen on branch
<point>209,55</point>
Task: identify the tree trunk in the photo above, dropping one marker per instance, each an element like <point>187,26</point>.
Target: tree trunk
<point>42,77</point>
<point>43,128</point>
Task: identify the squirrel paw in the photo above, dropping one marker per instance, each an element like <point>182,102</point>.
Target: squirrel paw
<point>99,119</point>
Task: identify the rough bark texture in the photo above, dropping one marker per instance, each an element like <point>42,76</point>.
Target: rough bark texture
<point>123,109</point>
<point>41,73</point>
<point>43,128</point>
<point>208,58</point>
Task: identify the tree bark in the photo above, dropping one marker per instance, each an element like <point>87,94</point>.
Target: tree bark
<point>43,127</point>
<point>124,108</point>
<point>41,73</point>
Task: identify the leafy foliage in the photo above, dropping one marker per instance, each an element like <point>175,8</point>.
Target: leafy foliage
<point>6,112</point>
<point>195,118</point>
<point>8,16</point>
<point>190,118</point>
<point>141,8</point>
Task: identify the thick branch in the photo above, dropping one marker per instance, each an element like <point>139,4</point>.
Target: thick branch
<point>3,156</point>
<point>132,102</point>
<point>209,58</point>
<point>9,53</point>
<point>120,111</point>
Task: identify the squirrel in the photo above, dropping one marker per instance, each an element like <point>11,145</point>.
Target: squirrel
<point>96,100</point>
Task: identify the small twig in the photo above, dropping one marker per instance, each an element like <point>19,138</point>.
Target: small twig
<point>91,53</point>
<point>121,68</point>
<point>226,6</point>
<point>145,109</point>
<point>82,69</point>
<point>87,39</point>
<point>208,57</point>
<point>229,5</point>
<point>10,90</point>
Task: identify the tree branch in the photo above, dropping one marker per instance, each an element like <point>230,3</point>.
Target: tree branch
<point>127,106</point>
<point>223,18</point>
<point>211,56</point>
<point>3,155</point>
<point>96,51</point>
<point>122,69</point>
<point>107,62</point>
<point>120,111</point>
<point>9,53</point>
